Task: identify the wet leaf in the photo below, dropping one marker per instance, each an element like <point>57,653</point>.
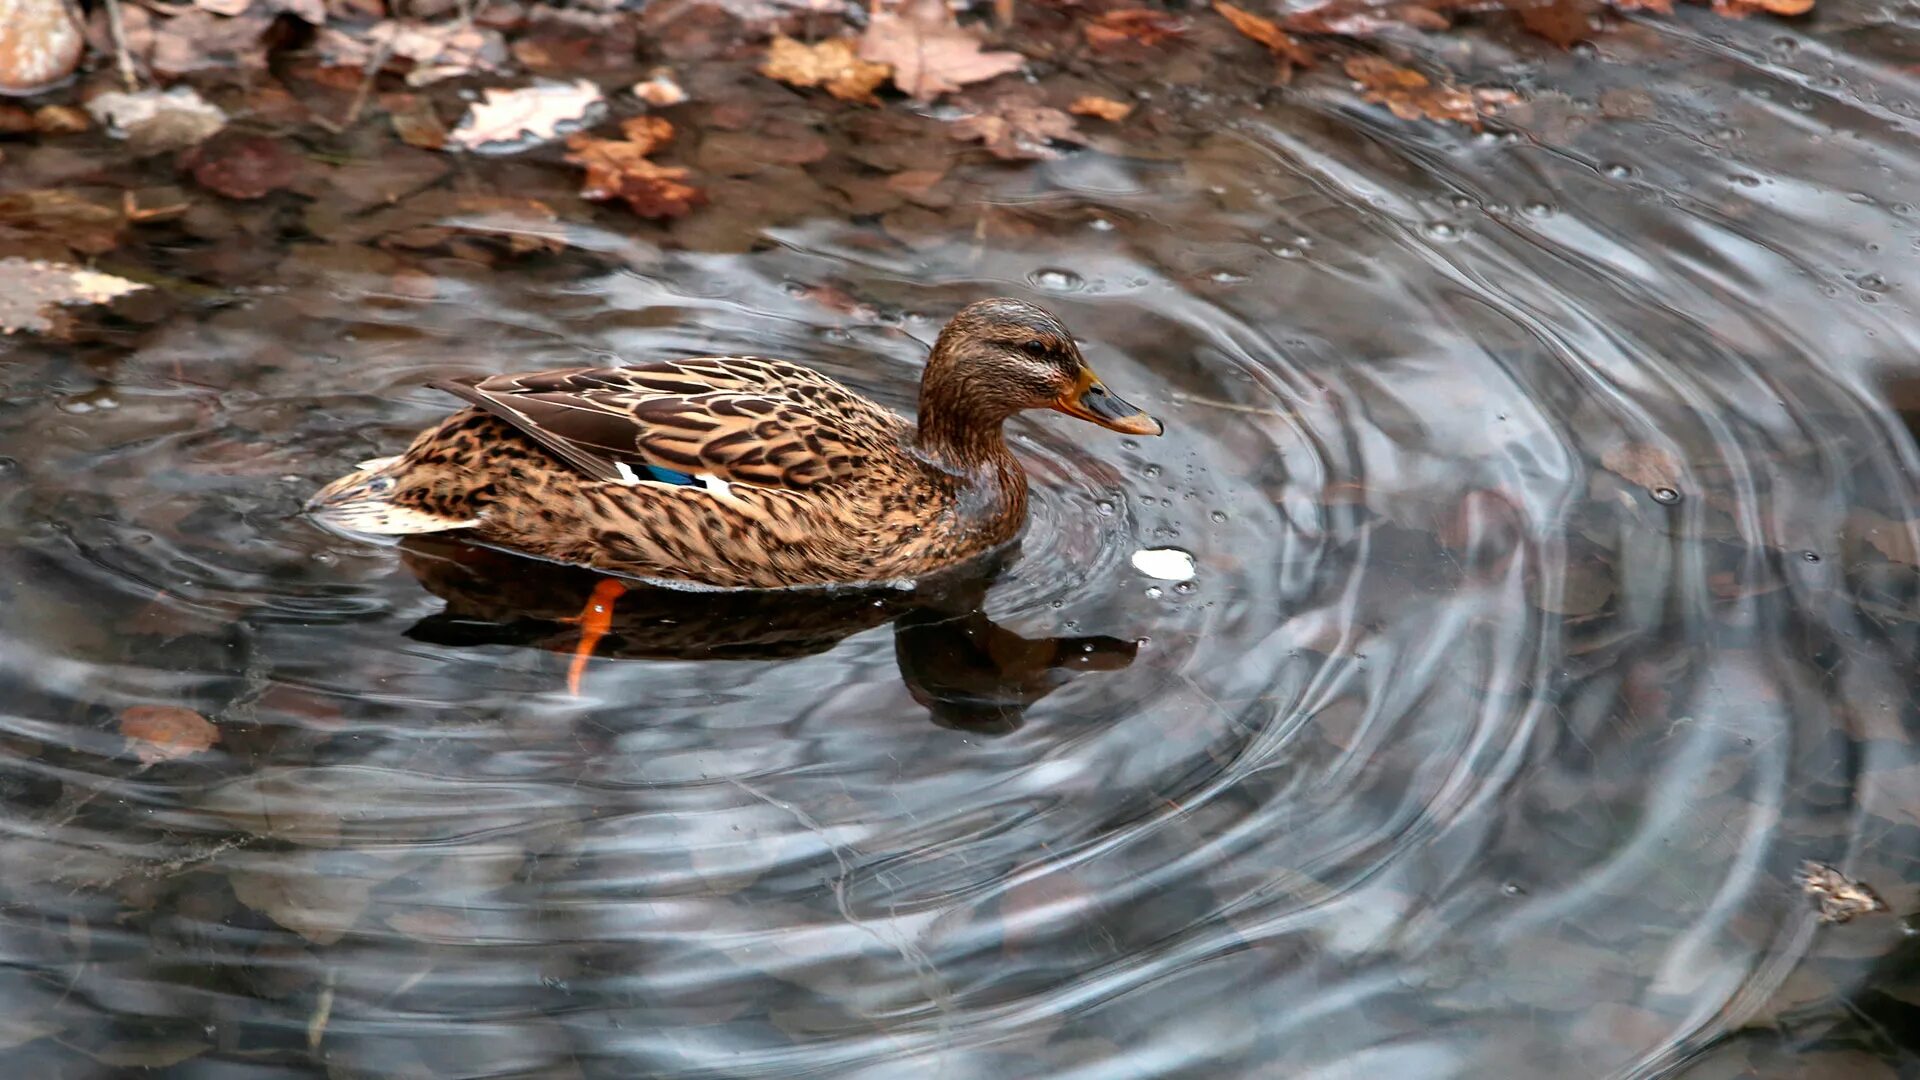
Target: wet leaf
<point>509,121</point>
<point>244,168</point>
<point>1894,539</point>
<point>30,287</point>
<point>199,41</point>
<point>430,52</point>
<point>159,733</point>
<point>60,120</point>
<point>1362,18</point>
<point>1286,49</point>
<point>1101,108</point>
<point>154,122</point>
<point>930,52</point>
<point>1019,131</point>
<point>65,219</point>
<point>619,169</point>
<point>1643,465</point>
<point>1566,23</point>
<point>1412,96</point>
<point>1836,896</point>
<point>660,90</point>
<point>834,64</point>
<point>415,120</point>
<point>40,43</point>
<point>1740,9</point>
<point>294,893</point>
<point>1132,26</point>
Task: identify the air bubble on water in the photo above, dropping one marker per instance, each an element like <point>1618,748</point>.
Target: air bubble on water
<point>1665,496</point>
<point>1151,470</point>
<point>1539,209</point>
<point>1185,588</point>
<point>1871,282</point>
<point>1288,251</point>
<point>1166,564</point>
<point>1100,224</point>
<point>1060,281</point>
<point>1810,556</point>
<point>1105,507</point>
<point>1218,516</point>
<point>1226,277</point>
<point>1514,888</point>
<point>1617,171</point>
<point>1460,202</point>
<point>1153,592</point>
<point>1440,230</point>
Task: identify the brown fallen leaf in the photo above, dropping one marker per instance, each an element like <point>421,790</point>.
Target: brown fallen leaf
<point>200,41</point>
<point>1740,9</point>
<point>57,221</point>
<point>834,64</point>
<point>619,169</point>
<point>1643,465</point>
<point>1019,131</point>
<point>40,43</point>
<point>1101,108</point>
<point>1286,49</point>
<point>415,120</point>
<point>1566,23</point>
<point>428,52</point>
<point>659,89</point>
<point>509,121</point>
<point>251,167</point>
<point>154,122</point>
<point>60,120</point>
<point>930,52</point>
<point>1131,26</point>
<point>1364,18</point>
<point>29,288</point>
<point>1412,96</point>
<point>159,733</point>
<point>1836,896</point>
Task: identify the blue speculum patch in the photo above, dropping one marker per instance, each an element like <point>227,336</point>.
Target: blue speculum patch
<point>666,476</point>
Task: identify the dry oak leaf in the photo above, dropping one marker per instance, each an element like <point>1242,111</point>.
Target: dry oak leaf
<point>1019,132</point>
<point>509,121</point>
<point>1100,108</point>
<point>619,169</point>
<point>165,732</point>
<point>834,64</point>
<point>1131,26</point>
<point>1413,96</point>
<point>1284,46</point>
<point>930,53</point>
<point>29,287</point>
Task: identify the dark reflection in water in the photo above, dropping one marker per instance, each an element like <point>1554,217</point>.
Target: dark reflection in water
<point>1555,531</point>
<point>969,672</point>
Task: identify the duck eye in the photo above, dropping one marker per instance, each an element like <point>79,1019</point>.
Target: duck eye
<point>1034,349</point>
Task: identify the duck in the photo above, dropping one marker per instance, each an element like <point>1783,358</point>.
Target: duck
<point>740,472</point>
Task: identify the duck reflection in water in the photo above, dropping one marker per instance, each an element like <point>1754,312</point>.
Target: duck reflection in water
<point>969,672</point>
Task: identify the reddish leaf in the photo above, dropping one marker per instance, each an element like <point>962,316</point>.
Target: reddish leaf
<point>165,732</point>
<point>242,168</point>
<point>619,169</point>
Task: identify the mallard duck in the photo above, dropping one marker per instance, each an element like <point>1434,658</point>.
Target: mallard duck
<point>739,471</point>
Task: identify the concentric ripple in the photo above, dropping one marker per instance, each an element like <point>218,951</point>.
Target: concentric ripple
<point>1553,600</point>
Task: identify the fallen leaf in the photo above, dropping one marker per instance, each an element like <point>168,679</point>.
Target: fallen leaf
<point>431,51</point>
<point>1412,96</point>
<point>1019,132</point>
<point>58,221</point>
<point>1131,26</point>
<point>1362,18</point>
<point>251,167</point>
<point>509,121</point>
<point>1893,539</point>
<point>60,120</point>
<point>30,287</point>
<point>40,43</point>
<point>319,907</point>
<point>659,90</point>
<point>930,52</point>
<point>415,120</point>
<point>166,732</point>
<point>1566,23</point>
<point>1836,896</point>
<point>834,63</point>
<point>154,122</point>
<point>619,169</point>
<point>1286,49</point>
<point>1643,465</point>
<point>1100,108</point>
<point>1740,9</point>
<point>199,41</point>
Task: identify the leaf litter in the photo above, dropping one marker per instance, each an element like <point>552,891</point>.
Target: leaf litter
<point>509,121</point>
<point>31,288</point>
<point>929,51</point>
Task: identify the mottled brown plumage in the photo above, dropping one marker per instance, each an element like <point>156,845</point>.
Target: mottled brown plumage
<point>740,472</point>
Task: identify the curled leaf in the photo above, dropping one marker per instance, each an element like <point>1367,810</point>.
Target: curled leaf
<point>1100,108</point>
<point>930,53</point>
<point>1412,96</point>
<point>834,64</point>
<point>1286,49</point>
<point>619,169</point>
<point>1836,896</point>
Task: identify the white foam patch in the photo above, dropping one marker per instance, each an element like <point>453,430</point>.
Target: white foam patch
<point>1166,564</point>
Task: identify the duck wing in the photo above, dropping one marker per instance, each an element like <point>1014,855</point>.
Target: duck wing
<point>739,419</point>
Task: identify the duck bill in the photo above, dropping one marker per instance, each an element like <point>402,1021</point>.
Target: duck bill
<point>1093,402</point>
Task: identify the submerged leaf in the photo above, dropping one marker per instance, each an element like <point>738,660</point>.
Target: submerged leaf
<point>1100,108</point>
<point>834,64</point>
<point>166,732</point>
<point>154,122</point>
<point>30,287</point>
<point>930,53</point>
<point>1838,897</point>
<point>1412,96</point>
<point>1018,131</point>
<point>619,169</point>
<point>1132,26</point>
<point>509,121</point>
<point>1285,48</point>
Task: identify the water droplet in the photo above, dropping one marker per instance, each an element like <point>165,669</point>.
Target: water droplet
<point>1151,470</point>
<point>1218,516</point>
<point>1105,507</point>
<point>1665,496</point>
<point>1617,171</point>
<point>1440,230</point>
<point>1167,564</point>
<point>1514,888</point>
<point>1060,281</point>
<point>1872,282</point>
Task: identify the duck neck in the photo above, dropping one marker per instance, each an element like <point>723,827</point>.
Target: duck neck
<point>969,443</point>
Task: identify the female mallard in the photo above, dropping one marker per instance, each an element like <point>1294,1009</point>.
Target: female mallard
<point>740,472</point>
